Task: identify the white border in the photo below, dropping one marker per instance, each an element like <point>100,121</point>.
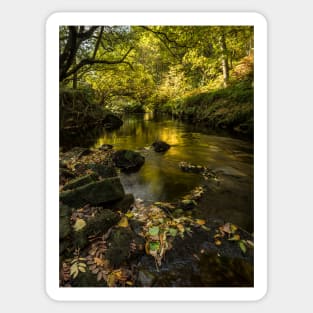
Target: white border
<point>260,157</point>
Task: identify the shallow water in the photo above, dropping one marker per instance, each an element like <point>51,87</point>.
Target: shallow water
<point>160,178</point>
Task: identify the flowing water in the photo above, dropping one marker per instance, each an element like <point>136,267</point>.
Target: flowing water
<point>160,178</point>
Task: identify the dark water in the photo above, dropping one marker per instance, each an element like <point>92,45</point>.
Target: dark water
<point>160,178</point>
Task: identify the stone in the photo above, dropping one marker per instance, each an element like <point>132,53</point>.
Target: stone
<point>80,181</point>
<point>101,222</point>
<point>94,193</point>
<point>102,170</point>
<point>160,146</point>
<point>106,147</point>
<point>128,160</point>
<point>124,204</point>
<point>112,121</point>
<point>65,227</point>
<point>145,278</point>
<point>124,245</point>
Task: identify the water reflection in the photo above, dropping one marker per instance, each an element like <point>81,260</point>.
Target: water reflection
<point>160,178</point>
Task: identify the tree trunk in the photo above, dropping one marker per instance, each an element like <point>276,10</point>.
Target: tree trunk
<point>225,65</point>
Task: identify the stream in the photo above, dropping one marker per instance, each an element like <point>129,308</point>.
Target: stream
<point>161,179</point>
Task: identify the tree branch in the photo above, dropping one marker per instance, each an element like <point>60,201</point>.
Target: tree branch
<point>93,61</point>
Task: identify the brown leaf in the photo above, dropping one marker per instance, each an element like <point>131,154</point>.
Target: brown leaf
<point>99,276</point>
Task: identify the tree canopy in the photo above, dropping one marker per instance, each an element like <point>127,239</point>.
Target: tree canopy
<point>149,65</point>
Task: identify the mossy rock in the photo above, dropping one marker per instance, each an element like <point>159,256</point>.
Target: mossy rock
<point>160,146</point>
<point>128,160</point>
<point>94,193</point>
<point>65,227</point>
<point>123,205</point>
<point>98,224</point>
<point>104,171</point>
<point>78,182</point>
<point>119,246</point>
<point>64,210</point>
<point>101,222</point>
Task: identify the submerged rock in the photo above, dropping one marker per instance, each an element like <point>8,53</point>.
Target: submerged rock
<point>128,160</point>
<point>94,193</point>
<point>160,146</point>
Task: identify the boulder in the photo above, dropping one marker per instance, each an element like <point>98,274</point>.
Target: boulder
<point>160,146</point>
<point>80,181</point>
<point>112,121</point>
<point>105,171</point>
<point>124,204</point>
<point>128,160</point>
<point>94,193</point>
<point>122,245</point>
<point>98,224</point>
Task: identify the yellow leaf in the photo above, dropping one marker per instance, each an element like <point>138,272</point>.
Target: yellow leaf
<point>81,269</point>
<point>129,214</point>
<point>79,224</point>
<point>235,237</point>
<point>98,261</point>
<point>200,222</point>
<point>118,274</point>
<point>123,222</point>
<point>111,280</point>
<point>73,268</point>
<point>180,227</point>
<point>129,283</point>
<point>217,242</point>
<point>233,227</point>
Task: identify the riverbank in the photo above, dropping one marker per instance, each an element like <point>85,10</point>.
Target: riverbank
<point>229,108</point>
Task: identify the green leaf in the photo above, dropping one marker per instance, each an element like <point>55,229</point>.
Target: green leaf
<point>242,246</point>
<point>173,232</point>
<point>205,228</point>
<point>154,231</point>
<point>154,246</point>
<point>79,224</point>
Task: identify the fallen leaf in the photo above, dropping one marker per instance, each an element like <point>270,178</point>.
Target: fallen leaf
<point>173,232</point>
<point>123,222</point>
<point>129,214</point>
<point>205,228</point>
<point>242,246</point>
<point>250,243</point>
<point>154,246</point>
<point>154,231</point>
<point>79,224</point>
<point>200,222</point>
<point>180,227</point>
<point>217,242</point>
<point>236,237</point>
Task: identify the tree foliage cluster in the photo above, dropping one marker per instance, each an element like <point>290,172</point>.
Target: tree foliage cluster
<point>146,67</point>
